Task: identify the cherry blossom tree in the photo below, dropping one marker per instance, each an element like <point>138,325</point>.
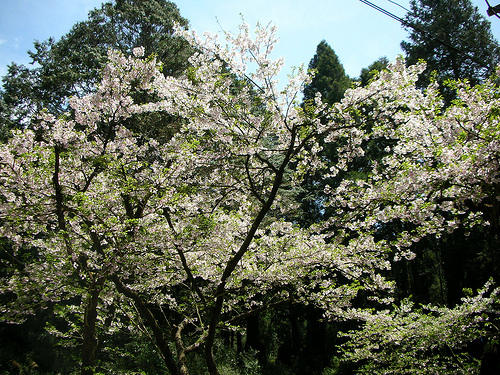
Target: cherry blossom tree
<point>195,226</point>
<point>440,172</point>
<point>195,229</point>
<point>441,166</point>
<point>427,340</point>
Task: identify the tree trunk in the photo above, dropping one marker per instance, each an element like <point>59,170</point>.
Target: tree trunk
<point>89,337</point>
<point>233,262</point>
<point>150,320</point>
<point>181,350</point>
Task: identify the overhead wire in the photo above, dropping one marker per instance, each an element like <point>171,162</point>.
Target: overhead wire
<point>381,10</point>
<point>490,7</point>
<point>399,5</point>
<point>424,32</point>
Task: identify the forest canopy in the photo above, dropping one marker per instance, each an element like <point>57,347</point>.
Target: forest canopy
<point>206,219</point>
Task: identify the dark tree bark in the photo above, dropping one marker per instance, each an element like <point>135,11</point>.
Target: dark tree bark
<point>89,335</point>
<point>151,321</point>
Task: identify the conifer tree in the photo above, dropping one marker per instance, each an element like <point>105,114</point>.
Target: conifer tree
<point>369,73</point>
<point>330,79</point>
<point>453,38</point>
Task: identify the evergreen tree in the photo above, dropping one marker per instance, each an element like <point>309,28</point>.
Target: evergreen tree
<point>453,38</point>
<point>367,74</point>
<point>456,42</point>
<point>71,66</point>
<point>330,80</point>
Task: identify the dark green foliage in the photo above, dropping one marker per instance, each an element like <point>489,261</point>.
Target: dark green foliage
<point>331,82</point>
<point>291,340</point>
<point>28,349</point>
<point>330,79</point>
<point>453,38</point>
<point>445,266</point>
<point>367,74</point>
<point>18,97</point>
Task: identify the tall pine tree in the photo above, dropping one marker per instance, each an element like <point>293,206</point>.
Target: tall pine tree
<point>453,37</point>
<point>330,80</point>
<point>455,40</point>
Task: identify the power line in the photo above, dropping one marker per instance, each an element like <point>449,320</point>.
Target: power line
<point>424,32</point>
<point>493,10</point>
<point>386,12</point>
<point>399,5</point>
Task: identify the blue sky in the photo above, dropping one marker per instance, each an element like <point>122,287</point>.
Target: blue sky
<point>358,33</point>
